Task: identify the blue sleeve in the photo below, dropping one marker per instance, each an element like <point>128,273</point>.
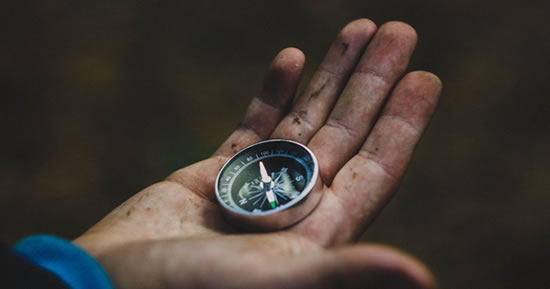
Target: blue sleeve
<point>71,264</point>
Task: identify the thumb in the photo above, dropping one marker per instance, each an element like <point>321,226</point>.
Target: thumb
<point>230,263</point>
<point>363,266</point>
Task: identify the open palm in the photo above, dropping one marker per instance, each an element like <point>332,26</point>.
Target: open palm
<point>360,114</point>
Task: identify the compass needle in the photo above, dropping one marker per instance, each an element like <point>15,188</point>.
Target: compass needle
<point>263,172</point>
<point>270,198</point>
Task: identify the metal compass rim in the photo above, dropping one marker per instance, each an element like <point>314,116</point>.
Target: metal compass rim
<point>295,202</point>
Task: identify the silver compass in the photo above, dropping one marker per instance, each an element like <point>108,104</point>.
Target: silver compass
<point>269,185</point>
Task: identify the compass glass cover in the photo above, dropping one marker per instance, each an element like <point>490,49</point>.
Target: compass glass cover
<point>290,169</point>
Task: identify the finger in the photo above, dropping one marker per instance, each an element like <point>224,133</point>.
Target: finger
<point>216,263</point>
<point>313,106</point>
<point>367,181</point>
<point>384,62</point>
<point>365,266</point>
<point>373,266</point>
<point>267,109</point>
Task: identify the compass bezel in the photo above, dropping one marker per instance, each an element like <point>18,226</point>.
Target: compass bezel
<point>280,217</point>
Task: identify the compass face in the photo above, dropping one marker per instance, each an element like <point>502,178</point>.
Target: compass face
<point>266,177</point>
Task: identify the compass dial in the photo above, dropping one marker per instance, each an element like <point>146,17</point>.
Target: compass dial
<point>287,185</point>
<point>266,178</point>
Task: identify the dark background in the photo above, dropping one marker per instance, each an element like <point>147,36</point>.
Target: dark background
<point>102,98</point>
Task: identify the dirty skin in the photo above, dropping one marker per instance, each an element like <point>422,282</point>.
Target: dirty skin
<point>318,91</point>
<point>345,47</point>
<point>234,147</point>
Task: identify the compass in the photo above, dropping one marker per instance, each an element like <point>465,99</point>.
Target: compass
<point>269,185</point>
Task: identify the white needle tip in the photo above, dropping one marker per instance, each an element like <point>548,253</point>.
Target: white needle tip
<point>263,172</point>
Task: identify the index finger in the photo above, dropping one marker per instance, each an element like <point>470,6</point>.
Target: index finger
<point>266,110</point>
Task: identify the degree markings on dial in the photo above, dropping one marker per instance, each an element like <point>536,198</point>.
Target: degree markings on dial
<point>286,154</point>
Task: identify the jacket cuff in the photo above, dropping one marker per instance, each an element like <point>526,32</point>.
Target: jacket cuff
<point>68,262</point>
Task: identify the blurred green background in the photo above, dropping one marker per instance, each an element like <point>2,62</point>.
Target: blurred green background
<point>102,98</point>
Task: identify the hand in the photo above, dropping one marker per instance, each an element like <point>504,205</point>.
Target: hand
<point>360,114</point>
